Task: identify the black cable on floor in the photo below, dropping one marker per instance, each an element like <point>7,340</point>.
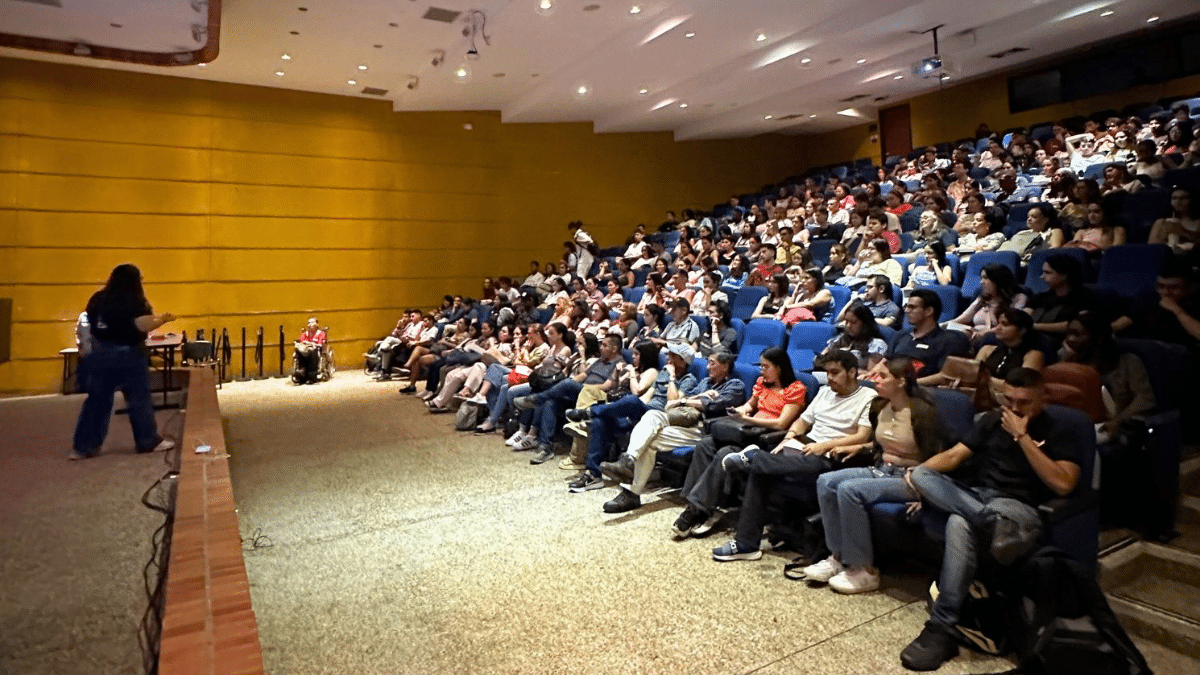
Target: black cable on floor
<point>154,573</point>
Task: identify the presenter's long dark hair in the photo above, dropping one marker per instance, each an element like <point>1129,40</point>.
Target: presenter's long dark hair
<point>126,281</point>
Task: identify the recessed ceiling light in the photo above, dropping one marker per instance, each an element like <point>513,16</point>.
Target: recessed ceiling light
<point>805,61</point>
<point>767,117</point>
<point>643,91</point>
<point>1107,12</point>
<point>898,77</point>
<point>761,37</point>
<point>636,9</point>
<point>201,65</point>
<point>582,90</point>
<point>545,7</point>
<point>861,61</point>
<point>279,73</point>
<point>286,57</point>
<point>1152,19</point>
<point>362,67</point>
<point>689,35</point>
<point>682,105</point>
<point>811,116</point>
<point>352,82</point>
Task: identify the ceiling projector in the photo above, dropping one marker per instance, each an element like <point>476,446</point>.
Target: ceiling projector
<point>930,66</point>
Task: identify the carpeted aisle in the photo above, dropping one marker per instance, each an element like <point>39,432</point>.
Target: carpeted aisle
<point>399,545</point>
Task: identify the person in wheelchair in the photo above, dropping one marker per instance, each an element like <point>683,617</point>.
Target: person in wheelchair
<point>307,355</point>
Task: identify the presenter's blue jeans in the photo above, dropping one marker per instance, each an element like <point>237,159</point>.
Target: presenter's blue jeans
<point>111,366</point>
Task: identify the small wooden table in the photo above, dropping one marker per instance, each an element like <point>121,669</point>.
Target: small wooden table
<point>164,346</point>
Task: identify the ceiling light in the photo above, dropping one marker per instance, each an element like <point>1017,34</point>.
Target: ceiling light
<point>1107,12</point>
<point>898,77</point>
<point>767,117</point>
<point>362,67</point>
<point>462,73</point>
<point>805,61</point>
<point>643,91</point>
<point>636,9</point>
<point>351,82</point>
<point>545,7</point>
<point>665,27</point>
<point>689,35</point>
<point>945,76</point>
<point>582,91</point>
<point>279,73</point>
<point>201,65</point>
<point>286,57</point>
<point>861,61</point>
<point>811,116</point>
<point>761,37</point>
<point>1152,19</point>
<point>682,105</point>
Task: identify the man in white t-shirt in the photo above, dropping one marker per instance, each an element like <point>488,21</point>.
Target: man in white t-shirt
<point>832,429</point>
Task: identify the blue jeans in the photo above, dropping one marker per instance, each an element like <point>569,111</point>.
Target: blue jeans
<point>968,508</point>
<point>846,496</point>
<point>549,404</point>
<point>609,419</point>
<point>505,398</point>
<point>111,366</point>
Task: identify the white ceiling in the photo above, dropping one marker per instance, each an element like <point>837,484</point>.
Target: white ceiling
<point>729,80</point>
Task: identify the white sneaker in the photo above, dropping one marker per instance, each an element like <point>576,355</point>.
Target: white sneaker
<point>824,570</point>
<point>478,399</point>
<point>854,579</point>
<point>704,529</point>
<point>528,442</point>
<point>515,438</point>
<point>164,445</point>
<point>426,395</point>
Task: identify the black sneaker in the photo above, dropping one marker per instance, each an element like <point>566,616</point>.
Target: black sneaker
<point>544,454</point>
<point>690,518</point>
<point>410,389</point>
<point>579,414</point>
<point>933,647</point>
<point>624,501</point>
<point>620,470</point>
<point>585,482</point>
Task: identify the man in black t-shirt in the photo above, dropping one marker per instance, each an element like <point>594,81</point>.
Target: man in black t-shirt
<point>1024,458</point>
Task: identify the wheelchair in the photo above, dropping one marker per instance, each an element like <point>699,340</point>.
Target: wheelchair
<point>325,366</point>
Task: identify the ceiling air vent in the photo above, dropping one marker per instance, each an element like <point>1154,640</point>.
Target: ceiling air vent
<point>791,116</point>
<point>48,3</point>
<point>443,15</point>
<point>854,98</point>
<point>374,91</point>
<point>877,99</point>
<point>1006,52</point>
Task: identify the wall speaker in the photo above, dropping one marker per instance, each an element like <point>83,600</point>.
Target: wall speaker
<point>5,328</point>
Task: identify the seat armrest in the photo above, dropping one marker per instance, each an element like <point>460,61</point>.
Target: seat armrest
<point>1059,509</point>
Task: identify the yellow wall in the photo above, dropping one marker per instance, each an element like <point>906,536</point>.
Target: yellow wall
<point>955,112</point>
<point>255,206</point>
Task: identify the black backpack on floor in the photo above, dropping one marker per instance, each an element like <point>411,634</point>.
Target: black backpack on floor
<point>1062,623</point>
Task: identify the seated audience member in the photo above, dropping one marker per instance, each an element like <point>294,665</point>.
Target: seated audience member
<point>1117,179</point>
<point>624,273</point>
<point>654,318</point>
<point>777,295</point>
<point>765,268</point>
<point>809,302</point>
<point>308,353</point>
<point>560,352</point>
<point>775,402</point>
<point>507,290</point>
<point>655,293</point>
<point>860,336</point>
<point>526,312</point>
<point>823,228</point>
<point>837,214</point>
<point>906,432</point>
<point>929,161</point>
<point>607,419</point>
<point>451,309</point>
<point>625,326</point>
<point>935,270</point>
<point>1179,135</point>
<point>836,268</point>
<point>832,429</point>
<point>1017,345</point>
<point>972,206</point>
<point>425,354</point>
<point>986,235</point>
<point>678,425</point>
<point>895,201</point>
<point>721,336</point>
<point>1176,317</point>
<point>534,279</point>
<point>877,298</point>
<point>789,253</point>
<point>1123,375</point>
<point>1190,159</point>
<point>548,405</point>
<point>424,334</point>
<point>878,260</point>
<point>1025,457</point>
<point>1097,234</point>
<point>927,344</point>
<point>710,292</point>
<point>634,250</point>
<point>558,290</point>
<point>677,286</point>
<point>453,376</point>
<point>597,324</point>
<point>998,291</point>
<point>613,299</point>
<point>1053,308</point>
<point>1043,232</point>
<point>931,227</point>
<point>489,291</point>
<point>1180,230</point>
<point>389,341</point>
<point>726,251</point>
<point>646,261</point>
<point>739,272</point>
<point>1148,163</point>
<point>680,329</point>
<point>494,390</point>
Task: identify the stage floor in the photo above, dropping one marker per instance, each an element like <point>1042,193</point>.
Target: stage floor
<point>400,545</point>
